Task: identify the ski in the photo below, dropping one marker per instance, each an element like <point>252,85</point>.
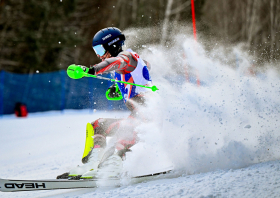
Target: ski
<point>13,185</point>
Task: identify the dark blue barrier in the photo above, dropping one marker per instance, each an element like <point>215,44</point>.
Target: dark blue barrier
<point>53,91</point>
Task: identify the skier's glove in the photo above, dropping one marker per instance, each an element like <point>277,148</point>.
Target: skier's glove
<point>113,93</point>
<point>90,70</point>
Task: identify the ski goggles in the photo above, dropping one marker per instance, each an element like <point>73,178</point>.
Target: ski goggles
<point>99,50</point>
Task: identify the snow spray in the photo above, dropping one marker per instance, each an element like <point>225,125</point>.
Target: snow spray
<point>230,121</point>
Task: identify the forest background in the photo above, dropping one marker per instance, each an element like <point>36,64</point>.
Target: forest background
<point>49,35</point>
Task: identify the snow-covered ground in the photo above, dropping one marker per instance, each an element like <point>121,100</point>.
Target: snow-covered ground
<point>47,144</point>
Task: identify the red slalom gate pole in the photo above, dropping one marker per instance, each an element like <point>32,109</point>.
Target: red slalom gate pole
<point>194,35</point>
<point>193,20</point>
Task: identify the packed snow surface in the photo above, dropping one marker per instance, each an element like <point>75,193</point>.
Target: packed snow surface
<point>47,144</point>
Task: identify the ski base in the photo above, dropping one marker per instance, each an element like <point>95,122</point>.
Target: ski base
<point>12,185</point>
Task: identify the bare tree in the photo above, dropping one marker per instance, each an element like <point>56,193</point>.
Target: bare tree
<point>49,37</point>
<point>166,21</point>
<point>254,22</point>
<point>168,12</point>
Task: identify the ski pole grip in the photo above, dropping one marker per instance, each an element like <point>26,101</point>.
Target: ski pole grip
<point>75,71</point>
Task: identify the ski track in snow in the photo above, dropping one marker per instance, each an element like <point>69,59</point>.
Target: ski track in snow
<point>45,145</point>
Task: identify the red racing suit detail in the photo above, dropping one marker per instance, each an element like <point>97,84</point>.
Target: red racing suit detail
<point>116,62</point>
<point>124,63</point>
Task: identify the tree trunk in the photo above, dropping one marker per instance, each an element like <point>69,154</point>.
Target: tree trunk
<point>166,21</point>
<point>134,10</point>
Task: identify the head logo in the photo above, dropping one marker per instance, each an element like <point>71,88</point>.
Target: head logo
<point>25,185</point>
<point>107,36</point>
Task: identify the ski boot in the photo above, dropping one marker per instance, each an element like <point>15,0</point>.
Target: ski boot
<point>110,168</point>
<point>91,158</point>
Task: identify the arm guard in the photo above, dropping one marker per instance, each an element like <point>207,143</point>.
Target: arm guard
<point>124,63</point>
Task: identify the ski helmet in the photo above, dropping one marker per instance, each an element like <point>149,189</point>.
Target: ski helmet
<point>108,39</point>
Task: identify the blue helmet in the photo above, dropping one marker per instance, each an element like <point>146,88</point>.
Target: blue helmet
<point>108,39</point>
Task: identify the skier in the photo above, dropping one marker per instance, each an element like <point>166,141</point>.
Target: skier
<point>127,66</point>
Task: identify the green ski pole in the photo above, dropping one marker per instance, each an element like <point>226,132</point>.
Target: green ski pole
<point>77,72</point>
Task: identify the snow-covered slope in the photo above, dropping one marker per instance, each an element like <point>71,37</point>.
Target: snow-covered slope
<point>261,180</point>
<point>47,144</point>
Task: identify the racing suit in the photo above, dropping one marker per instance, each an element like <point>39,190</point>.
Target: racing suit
<point>129,67</point>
